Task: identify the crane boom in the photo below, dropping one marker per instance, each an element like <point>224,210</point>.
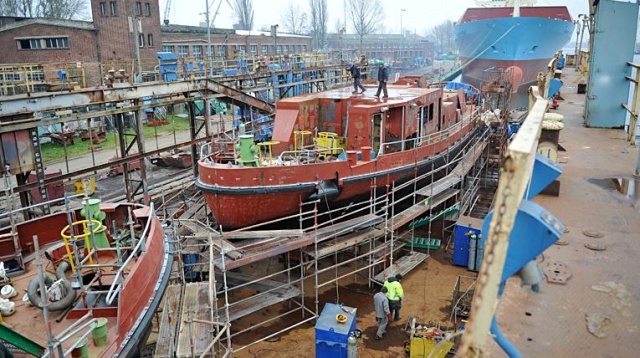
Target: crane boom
<point>167,8</point>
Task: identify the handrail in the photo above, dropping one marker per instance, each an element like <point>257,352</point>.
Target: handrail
<point>310,153</point>
<point>116,286</point>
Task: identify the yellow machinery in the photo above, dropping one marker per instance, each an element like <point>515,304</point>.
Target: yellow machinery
<point>423,347</point>
<point>331,143</point>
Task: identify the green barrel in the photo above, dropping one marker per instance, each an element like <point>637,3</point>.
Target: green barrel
<point>99,333</point>
<point>81,351</point>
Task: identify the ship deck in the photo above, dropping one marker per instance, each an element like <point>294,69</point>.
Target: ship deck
<point>553,323</point>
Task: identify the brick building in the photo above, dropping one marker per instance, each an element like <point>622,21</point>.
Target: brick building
<point>191,42</point>
<point>36,49</point>
<point>392,48</point>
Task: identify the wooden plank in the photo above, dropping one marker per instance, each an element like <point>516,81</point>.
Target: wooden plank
<point>343,227</point>
<point>352,239</point>
<point>202,232</point>
<point>194,337</point>
<point>403,218</point>
<point>166,343</point>
<point>260,234</point>
<point>283,246</point>
<point>257,302</point>
<point>403,266</point>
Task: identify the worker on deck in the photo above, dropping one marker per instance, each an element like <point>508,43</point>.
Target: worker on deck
<point>355,74</point>
<point>383,314</point>
<point>395,294</point>
<point>383,77</point>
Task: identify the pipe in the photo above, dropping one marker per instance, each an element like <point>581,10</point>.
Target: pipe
<point>509,348</point>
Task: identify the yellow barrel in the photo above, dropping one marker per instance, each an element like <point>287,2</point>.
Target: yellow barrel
<point>99,333</point>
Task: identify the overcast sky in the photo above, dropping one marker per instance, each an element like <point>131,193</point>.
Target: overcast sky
<point>419,16</point>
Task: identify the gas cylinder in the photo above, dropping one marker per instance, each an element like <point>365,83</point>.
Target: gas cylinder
<point>352,349</point>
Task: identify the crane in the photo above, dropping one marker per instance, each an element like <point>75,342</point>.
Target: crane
<point>167,8</point>
<point>215,14</point>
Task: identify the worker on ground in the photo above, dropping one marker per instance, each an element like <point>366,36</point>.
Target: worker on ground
<point>395,294</point>
<point>383,314</point>
<point>383,77</point>
<point>355,74</point>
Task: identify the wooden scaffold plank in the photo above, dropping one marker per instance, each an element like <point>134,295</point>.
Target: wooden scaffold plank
<point>194,337</point>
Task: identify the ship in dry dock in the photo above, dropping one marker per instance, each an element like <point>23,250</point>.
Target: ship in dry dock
<point>334,147</point>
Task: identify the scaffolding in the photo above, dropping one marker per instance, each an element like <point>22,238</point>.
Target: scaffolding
<point>274,278</point>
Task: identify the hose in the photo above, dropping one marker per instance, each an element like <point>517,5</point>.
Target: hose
<point>34,289</point>
<point>508,347</point>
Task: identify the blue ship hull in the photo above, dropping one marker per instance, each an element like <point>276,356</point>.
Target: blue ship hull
<point>526,43</point>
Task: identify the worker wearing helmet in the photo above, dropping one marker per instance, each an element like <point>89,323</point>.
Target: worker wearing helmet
<point>355,74</point>
<point>383,77</point>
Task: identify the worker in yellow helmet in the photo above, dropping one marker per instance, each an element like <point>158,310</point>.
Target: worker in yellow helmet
<point>395,294</point>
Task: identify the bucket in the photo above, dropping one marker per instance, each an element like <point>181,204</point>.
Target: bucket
<point>8,292</point>
<point>81,351</point>
<point>99,333</point>
<point>582,88</point>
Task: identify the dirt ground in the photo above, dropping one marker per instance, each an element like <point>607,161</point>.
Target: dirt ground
<point>428,290</point>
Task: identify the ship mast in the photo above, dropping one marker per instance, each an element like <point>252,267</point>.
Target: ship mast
<point>516,8</point>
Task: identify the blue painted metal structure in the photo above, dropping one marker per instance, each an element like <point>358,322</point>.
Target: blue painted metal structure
<point>535,229</point>
<point>613,44</point>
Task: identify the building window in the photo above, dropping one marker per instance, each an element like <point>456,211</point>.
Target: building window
<point>183,51</point>
<point>279,49</point>
<point>114,8</point>
<point>265,49</point>
<point>168,48</point>
<point>147,9</point>
<point>254,50</point>
<point>304,48</point>
<point>138,8</point>
<point>29,44</point>
<point>271,49</point>
<point>50,42</point>
<point>150,40</point>
<point>141,40</point>
<point>57,42</point>
<point>103,9</point>
<point>35,76</point>
<point>197,51</point>
<point>298,48</point>
<point>220,51</point>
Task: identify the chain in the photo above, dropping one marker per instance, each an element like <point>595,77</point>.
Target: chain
<point>507,173</point>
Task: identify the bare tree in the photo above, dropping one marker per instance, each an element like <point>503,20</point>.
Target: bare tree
<point>319,18</point>
<point>59,9</point>
<point>442,36</point>
<point>293,20</point>
<point>367,16</point>
<point>244,13</point>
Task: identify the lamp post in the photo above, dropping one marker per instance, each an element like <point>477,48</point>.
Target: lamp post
<point>401,34</point>
<point>209,41</point>
<point>274,33</point>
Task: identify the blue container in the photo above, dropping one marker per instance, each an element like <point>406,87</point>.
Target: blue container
<point>168,66</point>
<point>189,261</point>
<point>332,336</point>
<point>461,244</point>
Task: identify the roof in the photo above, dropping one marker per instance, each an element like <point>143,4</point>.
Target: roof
<point>265,33</point>
<point>73,24</point>
<point>188,29</point>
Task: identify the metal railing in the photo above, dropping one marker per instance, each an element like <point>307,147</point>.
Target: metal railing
<point>116,286</point>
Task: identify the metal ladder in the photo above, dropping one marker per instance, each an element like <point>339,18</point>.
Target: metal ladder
<point>46,209</point>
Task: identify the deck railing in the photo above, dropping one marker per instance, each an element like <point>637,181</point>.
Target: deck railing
<point>116,286</point>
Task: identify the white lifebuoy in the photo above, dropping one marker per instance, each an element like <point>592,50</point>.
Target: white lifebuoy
<point>8,292</point>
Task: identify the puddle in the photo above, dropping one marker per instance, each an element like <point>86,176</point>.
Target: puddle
<point>625,189</point>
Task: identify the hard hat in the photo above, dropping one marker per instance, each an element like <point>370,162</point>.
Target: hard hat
<point>350,64</point>
<point>380,63</point>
